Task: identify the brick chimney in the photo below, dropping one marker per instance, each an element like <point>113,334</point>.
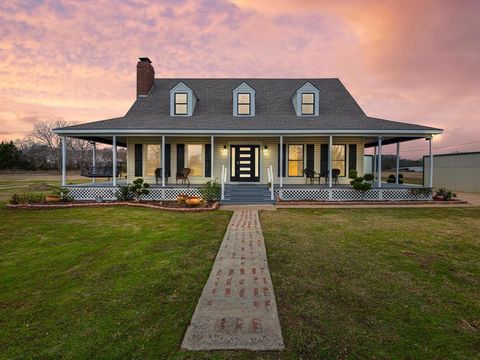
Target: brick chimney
<point>145,76</point>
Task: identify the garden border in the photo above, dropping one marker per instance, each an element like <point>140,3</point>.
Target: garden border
<point>214,206</point>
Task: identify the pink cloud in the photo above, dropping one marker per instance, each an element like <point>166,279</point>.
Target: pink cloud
<point>408,61</point>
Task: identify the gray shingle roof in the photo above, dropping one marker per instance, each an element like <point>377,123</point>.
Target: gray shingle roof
<point>274,109</point>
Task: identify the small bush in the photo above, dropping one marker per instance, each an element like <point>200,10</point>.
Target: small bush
<point>391,179</point>
<point>27,198</point>
<point>211,191</point>
<point>352,174</point>
<point>446,194</point>
<point>362,186</point>
<point>356,180</point>
<point>64,194</point>
<point>134,191</point>
<point>368,177</point>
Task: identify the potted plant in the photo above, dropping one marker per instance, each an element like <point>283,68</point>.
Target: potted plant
<point>52,198</point>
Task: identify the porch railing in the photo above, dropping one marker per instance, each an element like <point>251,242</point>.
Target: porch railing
<point>270,181</point>
<point>223,178</point>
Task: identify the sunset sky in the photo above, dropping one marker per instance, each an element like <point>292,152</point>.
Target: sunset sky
<point>414,61</point>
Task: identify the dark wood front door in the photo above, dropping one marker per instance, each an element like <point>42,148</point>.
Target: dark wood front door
<point>245,163</point>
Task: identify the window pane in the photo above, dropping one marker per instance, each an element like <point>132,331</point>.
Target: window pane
<point>307,98</point>
<point>244,98</point>
<point>307,109</point>
<point>338,158</point>
<point>295,152</point>
<point>244,109</point>
<point>153,159</point>
<point>295,160</point>
<point>181,98</point>
<point>181,109</point>
<point>295,168</point>
<point>195,159</point>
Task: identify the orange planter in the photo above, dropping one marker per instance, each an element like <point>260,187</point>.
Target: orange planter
<point>52,198</point>
<point>194,200</point>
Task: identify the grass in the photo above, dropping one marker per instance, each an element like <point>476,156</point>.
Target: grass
<point>350,283</point>
<point>102,283</point>
<point>376,283</point>
<point>19,182</point>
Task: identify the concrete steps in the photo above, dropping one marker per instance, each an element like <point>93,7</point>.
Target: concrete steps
<point>247,194</point>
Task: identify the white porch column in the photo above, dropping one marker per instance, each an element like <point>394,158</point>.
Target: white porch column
<point>374,163</point>
<point>163,160</point>
<point>64,161</point>
<point>330,145</point>
<point>114,160</point>
<point>430,179</point>
<point>94,158</point>
<point>379,162</point>
<point>281,161</point>
<point>212,157</point>
<point>397,169</point>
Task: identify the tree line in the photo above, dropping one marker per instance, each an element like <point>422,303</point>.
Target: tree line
<point>41,149</point>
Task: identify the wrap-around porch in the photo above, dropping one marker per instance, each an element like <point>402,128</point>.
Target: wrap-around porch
<point>278,163</point>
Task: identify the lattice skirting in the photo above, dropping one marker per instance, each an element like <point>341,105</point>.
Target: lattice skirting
<point>108,193</point>
<point>324,194</point>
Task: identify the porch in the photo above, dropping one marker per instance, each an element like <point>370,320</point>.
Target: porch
<point>273,167</point>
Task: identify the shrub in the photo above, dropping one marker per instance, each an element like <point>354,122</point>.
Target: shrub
<point>134,191</point>
<point>211,190</point>
<point>64,194</point>
<point>352,174</point>
<point>356,180</point>
<point>368,177</point>
<point>391,179</point>
<point>446,194</point>
<point>27,198</point>
<point>362,186</point>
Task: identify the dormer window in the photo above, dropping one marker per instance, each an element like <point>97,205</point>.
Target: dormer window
<point>244,101</point>
<point>243,104</point>
<point>308,104</point>
<point>181,103</point>
<point>182,100</point>
<point>306,100</point>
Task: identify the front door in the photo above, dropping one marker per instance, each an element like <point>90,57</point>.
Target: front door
<point>245,163</point>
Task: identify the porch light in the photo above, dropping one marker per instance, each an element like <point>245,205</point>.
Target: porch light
<point>265,149</point>
<point>224,149</point>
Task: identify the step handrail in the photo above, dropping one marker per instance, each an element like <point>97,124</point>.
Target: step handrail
<point>270,180</point>
<point>222,180</point>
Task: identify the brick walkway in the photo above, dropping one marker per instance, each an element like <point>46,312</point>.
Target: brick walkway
<point>237,308</point>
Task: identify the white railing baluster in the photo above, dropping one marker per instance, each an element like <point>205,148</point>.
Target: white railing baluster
<point>270,179</point>
<point>223,183</point>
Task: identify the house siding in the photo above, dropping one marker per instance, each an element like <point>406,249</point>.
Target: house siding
<point>267,158</point>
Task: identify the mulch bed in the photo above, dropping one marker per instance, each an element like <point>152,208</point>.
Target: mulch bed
<point>157,205</point>
<point>385,202</point>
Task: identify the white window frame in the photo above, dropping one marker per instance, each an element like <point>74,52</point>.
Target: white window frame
<point>203,158</point>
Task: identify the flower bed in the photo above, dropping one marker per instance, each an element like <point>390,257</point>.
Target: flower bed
<point>371,202</point>
<point>166,205</point>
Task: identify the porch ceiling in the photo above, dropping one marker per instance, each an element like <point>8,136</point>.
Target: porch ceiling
<point>389,141</point>
<point>121,141</point>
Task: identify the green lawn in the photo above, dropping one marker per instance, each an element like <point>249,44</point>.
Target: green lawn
<point>377,283</point>
<point>349,283</point>
<point>102,283</point>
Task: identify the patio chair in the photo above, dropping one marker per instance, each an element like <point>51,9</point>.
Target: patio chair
<point>182,174</point>
<point>335,175</point>
<point>158,175</point>
<point>310,175</point>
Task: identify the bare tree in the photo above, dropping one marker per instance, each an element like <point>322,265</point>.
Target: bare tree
<point>43,133</point>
